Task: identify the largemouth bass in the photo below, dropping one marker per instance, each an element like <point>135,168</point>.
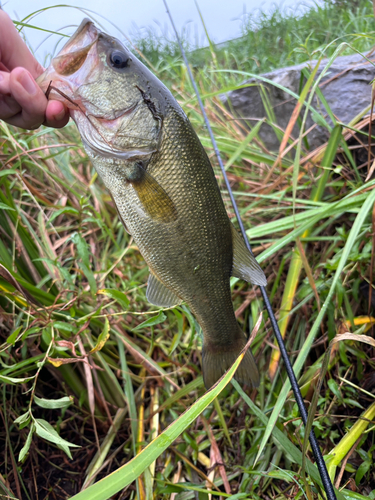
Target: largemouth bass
<point>163,185</point>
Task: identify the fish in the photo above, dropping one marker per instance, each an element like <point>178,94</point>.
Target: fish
<point>160,178</point>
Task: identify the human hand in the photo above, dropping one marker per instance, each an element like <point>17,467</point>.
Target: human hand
<point>22,102</point>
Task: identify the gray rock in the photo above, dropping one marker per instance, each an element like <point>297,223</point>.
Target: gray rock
<point>346,87</point>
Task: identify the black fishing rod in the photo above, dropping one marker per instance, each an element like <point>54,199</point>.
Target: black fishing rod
<point>326,480</point>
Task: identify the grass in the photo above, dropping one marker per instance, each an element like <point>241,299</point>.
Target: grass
<point>273,39</point>
<point>86,361</point>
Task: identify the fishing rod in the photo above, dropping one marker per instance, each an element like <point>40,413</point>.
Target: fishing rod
<point>327,484</point>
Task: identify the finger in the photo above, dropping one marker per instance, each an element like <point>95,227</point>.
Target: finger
<point>18,120</point>
<point>30,97</point>
<point>8,106</point>
<point>57,115</point>
<point>13,50</point>
<point>4,82</point>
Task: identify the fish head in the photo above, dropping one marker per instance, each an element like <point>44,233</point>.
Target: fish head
<point>110,94</point>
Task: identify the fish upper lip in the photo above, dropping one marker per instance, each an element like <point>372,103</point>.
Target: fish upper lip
<point>85,35</point>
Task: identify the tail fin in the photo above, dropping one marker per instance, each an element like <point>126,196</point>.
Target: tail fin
<point>217,359</point>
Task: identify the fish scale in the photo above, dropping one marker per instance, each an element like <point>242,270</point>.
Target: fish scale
<point>164,188</point>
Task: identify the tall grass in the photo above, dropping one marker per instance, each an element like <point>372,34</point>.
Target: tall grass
<point>281,36</point>
<point>86,361</point>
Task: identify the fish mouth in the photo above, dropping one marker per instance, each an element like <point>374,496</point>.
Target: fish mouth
<point>69,60</point>
<point>59,81</point>
<point>85,35</point>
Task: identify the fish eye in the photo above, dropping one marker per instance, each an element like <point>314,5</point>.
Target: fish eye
<point>118,59</point>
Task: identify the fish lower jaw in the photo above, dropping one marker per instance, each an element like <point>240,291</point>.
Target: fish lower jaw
<point>96,147</point>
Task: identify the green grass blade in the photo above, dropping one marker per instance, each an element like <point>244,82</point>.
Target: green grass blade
<point>283,441</point>
<point>125,475</point>
<point>296,261</point>
<point>311,337</point>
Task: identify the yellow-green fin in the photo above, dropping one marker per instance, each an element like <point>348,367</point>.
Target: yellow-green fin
<point>245,265</point>
<point>156,202</point>
<point>159,295</point>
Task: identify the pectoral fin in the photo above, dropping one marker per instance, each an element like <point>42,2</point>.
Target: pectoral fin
<point>156,202</point>
<point>159,295</point>
<point>245,265</point>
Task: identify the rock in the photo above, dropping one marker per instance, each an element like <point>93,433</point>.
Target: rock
<point>346,87</point>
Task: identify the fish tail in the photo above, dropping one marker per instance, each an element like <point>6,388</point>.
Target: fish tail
<point>217,359</point>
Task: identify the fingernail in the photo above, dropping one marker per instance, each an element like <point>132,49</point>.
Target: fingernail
<point>28,83</point>
<point>60,116</point>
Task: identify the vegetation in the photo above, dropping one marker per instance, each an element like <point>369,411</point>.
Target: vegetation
<point>275,39</point>
<point>90,373</point>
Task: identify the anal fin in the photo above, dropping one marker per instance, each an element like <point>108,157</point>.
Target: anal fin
<point>245,265</point>
<point>159,295</point>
